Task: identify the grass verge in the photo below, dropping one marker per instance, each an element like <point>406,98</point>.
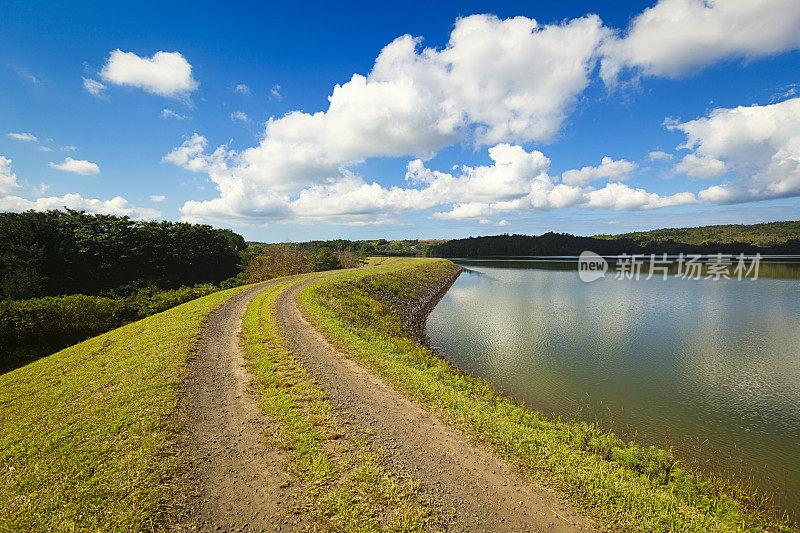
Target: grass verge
<point>85,435</point>
<point>622,486</point>
<point>344,486</point>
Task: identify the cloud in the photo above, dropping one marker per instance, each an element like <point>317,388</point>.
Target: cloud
<point>658,155</point>
<point>169,113</point>
<point>787,91</point>
<point>191,156</point>
<point>546,195</point>
<point>621,197</point>
<point>241,116</point>
<point>275,92</point>
<point>165,74</point>
<point>677,37</point>
<point>77,166</point>
<point>516,181</point>
<point>157,198</point>
<point>609,169</point>
<point>496,81</point>
<point>760,145</point>
<point>703,167</point>
<point>512,79</point>
<point>242,89</point>
<point>25,137</point>
<point>8,180</point>
<point>116,206</point>
<point>93,87</point>
<point>69,148</point>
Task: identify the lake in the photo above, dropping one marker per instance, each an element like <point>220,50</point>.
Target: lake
<point>709,367</point>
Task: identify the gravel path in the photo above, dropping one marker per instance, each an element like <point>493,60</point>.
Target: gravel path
<point>237,479</point>
<point>469,486</point>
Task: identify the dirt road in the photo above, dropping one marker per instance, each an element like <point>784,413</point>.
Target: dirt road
<point>473,489</point>
<point>239,484</point>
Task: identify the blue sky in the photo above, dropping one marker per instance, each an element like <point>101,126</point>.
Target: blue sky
<point>437,120</point>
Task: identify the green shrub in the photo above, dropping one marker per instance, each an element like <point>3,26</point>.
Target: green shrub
<point>151,300</point>
<point>39,326</point>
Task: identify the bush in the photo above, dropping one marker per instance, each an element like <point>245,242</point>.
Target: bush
<point>39,326</point>
<point>151,300</point>
<point>323,259</point>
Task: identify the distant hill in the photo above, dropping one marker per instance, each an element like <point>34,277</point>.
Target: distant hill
<point>769,238</point>
<point>766,234</point>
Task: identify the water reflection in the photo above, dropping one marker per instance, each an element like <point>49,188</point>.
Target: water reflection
<point>672,361</point>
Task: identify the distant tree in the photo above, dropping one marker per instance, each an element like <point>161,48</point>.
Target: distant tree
<point>323,259</point>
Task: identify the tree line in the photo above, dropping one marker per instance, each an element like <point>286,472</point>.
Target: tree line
<point>71,252</point>
<point>774,238</point>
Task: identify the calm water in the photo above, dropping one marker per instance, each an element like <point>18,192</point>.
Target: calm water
<point>709,367</point>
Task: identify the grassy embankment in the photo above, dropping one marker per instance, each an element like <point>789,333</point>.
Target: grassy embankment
<point>85,434</point>
<point>343,485</point>
<point>622,486</point>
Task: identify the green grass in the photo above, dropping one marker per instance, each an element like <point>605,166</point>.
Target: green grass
<point>344,486</point>
<point>620,485</point>
<point>86,438</point>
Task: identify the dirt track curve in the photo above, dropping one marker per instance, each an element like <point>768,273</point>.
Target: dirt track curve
<point>239,481</point>
<point>472,489</point>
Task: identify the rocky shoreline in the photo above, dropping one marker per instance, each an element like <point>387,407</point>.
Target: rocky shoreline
<point>414,313</point>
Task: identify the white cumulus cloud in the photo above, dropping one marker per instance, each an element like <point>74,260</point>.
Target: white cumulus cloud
<point>703,167</point>
<point>622,197</point>
<point>515,182</point>
<point>241,89</point>
<point>157,198</point>
<point>165,73</point>
<point>500,83</point>
<point>496,81</point>
<point>608,169</point>
<point>8,180</point>
<point>675,37</point>
<point>116,206</point>
<point>77,166</point>
<point>760,145</point>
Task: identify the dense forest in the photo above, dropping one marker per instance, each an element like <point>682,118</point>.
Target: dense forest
<point>771,238</point>
<point>69,252</point>
<point>66,276</point>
